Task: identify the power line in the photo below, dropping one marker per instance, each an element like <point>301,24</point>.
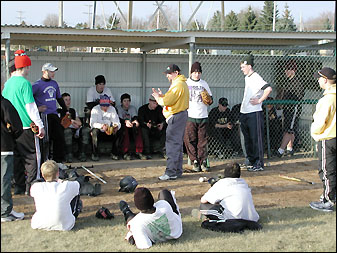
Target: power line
<point>20,16</point>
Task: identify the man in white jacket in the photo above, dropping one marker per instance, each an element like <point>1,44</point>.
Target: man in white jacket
<point>102,117</point>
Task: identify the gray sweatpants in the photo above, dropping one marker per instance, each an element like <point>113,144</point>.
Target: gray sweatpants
<point>174,143</point>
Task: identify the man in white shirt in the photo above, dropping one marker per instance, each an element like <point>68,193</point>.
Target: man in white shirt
<point>94,92</point>
<point>251,114</point>
<point>57,202</point>
<point>229,198</point>
<point>156,222</point>
<point>196,136</point>
<point>103,117</point>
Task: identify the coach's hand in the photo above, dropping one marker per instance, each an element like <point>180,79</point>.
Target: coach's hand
<point>41,133</point>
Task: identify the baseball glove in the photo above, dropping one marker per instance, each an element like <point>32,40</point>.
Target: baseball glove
<point>66,121</point>
<point>104,213</point>
<point>34,128</point>
<point>206,98</point>
<point>111,129</point>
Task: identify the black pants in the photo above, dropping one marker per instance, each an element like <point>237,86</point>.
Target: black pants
<point>98,136</point>
<point>26,159</point>
<point>327,168</point>
<point>153,140</point>
<point>56,135</point>
<point>252,127</point>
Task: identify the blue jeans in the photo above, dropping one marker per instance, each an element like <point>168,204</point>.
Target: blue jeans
<point>7,163</point>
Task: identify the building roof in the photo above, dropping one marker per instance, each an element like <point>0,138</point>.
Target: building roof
<point>148,40</point>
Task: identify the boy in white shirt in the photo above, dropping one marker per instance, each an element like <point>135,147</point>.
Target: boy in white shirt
<point>102,117</point>
<point>57,202</point>
<point>229,198</point>
<point>156,222</point>
<point>251,113</point>
<point>196,136</point>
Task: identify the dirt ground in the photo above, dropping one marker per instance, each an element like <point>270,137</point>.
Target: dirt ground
<point>268,188</point>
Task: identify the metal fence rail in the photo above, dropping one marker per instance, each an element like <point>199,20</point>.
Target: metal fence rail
<point>292,100</point>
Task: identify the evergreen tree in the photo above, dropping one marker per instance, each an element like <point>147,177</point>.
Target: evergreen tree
<point>215,22</point>
<point>265,22</point>
<point>327,24</point>
<point>115,19</point>
<point>249,21</point>
<point>286,23</point>
<point>232,22</point>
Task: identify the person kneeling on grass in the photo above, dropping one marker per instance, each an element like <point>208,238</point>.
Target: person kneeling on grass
<point>57,202</point>
<point>156,222</point>
<point>229,198</point>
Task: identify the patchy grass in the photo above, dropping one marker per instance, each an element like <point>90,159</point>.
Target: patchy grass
<point>291,229</point>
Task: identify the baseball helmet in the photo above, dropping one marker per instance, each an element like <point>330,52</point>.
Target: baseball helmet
<point>128,184</point>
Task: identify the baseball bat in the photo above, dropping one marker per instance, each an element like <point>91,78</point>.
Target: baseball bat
<point>94,174</point>
<point>295,179</point>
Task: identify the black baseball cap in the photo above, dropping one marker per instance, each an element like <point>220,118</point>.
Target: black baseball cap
<point>171,68</point>
<point>327,73</point>
<point>223,101</point>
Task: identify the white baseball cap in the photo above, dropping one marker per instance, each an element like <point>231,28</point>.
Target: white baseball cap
<point>49,66</point>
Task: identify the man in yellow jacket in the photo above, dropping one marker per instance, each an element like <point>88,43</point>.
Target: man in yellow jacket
<point>323,130</point>
<point>175,103</point>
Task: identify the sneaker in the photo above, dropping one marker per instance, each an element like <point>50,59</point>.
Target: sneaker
<point>148,157</point>
<point>167,177</point>
<point>127,157</point>
<point>13,216</point>
<point>82,157</point>
<point>196,166</point>
<point>114,157</point>
<point>94,157</point>
<point>69,158</point>
<point>140,156</point>
<point>254,168</point>
<point>204,166</point>
<point>321,206</point>
<point>291,153</point>
<point>124,207</point>
<point>278,154</point>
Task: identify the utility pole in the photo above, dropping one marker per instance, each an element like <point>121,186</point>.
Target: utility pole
<point>129,21</point>
<point>59,48</point>
<point>222,16</point>
<point>274,16</point>
<point>20,16</point>
<point>89,13</point>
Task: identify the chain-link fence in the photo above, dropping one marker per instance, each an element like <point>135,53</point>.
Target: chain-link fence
<point>288,110</point>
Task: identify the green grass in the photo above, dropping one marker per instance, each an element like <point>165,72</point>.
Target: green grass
<point>292,229</point>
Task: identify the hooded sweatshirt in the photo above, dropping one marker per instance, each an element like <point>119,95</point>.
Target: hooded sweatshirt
<point>176,99</point>
<point>324,125</point>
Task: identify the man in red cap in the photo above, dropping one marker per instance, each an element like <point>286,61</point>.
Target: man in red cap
<point>18,91</point>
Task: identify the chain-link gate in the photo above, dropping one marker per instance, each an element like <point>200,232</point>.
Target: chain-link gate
<point>288,110</point>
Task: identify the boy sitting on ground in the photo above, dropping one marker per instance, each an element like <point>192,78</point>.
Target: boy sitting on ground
<point>57,202</point>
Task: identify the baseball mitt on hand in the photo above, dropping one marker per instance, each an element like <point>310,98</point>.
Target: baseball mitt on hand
<point>104,213</point>
<point>66,121</point>
<point>34,128</point>
<point>206,98</point>
<point>111,129</point>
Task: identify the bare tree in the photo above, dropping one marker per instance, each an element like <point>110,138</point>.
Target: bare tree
<point>319,22</point>
<point>51,20</point>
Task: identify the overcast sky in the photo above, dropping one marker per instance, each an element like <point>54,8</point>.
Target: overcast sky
<point>34,12</point>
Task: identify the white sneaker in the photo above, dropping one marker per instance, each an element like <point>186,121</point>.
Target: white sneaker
<point>13,216</point>
<point>167,177</point>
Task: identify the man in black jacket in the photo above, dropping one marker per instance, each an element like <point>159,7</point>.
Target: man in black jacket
<point>11,128</point>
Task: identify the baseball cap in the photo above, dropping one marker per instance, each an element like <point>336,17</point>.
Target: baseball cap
<point>171,68</point>
<point>248,60</point>
<point>152,98</point>
<point>49,66</point>
<point>327,73</point>
<point>21,59</point>
<point>104,100</point>
<point>223,101</point>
